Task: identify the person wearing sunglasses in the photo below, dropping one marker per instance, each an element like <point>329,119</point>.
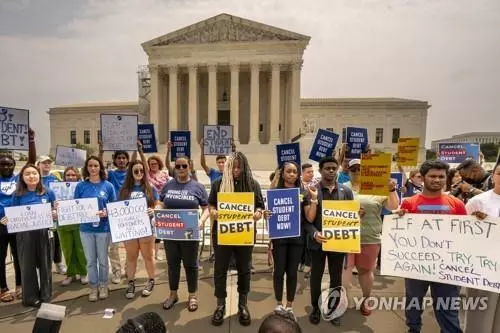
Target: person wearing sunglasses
<point>183,192</point>
<point>137,186</point>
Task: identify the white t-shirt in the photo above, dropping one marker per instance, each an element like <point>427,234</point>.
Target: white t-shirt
<point>487,202</point>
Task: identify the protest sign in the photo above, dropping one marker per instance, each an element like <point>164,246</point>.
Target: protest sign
<point>375,173</point>
<point>284,205</point>
<point>458,152</point>
<point>217,140</point>
<point>119,132</point>
<point>77,211</point>
<point>323,145</point>
<point>398,178</point>
<point>448,249</point>
<point>63,190</point>
<point>288,152</point>
<point>29,217</point>
<point>177,224</point>
<point>146,134</point>
<point>357,140</point>
<point>181,144</point>
<point>14,126</point>
<point>408,149</point>
<point>68,156</point>
<point>128,219</point>
<point>235,224</point>
<point>341,226</point>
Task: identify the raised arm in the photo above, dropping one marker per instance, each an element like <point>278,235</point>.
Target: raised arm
<point>203,162</point>
<point>31,147</point>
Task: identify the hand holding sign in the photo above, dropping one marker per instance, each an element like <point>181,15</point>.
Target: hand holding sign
<point>213,214</point>
<point>318,236</point>
<point>480,215</point>
<point>257,215</point>
<point>313,192</point>
<point>4,220</point>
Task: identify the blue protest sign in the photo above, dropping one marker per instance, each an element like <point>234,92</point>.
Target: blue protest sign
<point>146,134</point>
<point>177,224</point>
<point>14,125</point>
<point>284,205</point>
<point>458,152</point>
<point>357,140</point>
<point>288,152</point>
<point>398,177</point>
<point>181,144</point>
<point>323,145</point>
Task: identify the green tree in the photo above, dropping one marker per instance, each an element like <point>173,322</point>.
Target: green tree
<point>490,151</point>
<point>90,150</point>
<point>430,154</point>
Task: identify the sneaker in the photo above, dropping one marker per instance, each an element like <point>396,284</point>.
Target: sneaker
<point>60,268</point>
<point>130,290</point>
<point>93,294</point>
<point>290,312</point>
<point>103,292</point>
<point>67,281</point>
<point>148,289</point>
<point>84,280</point>
<point>116,278</point>
<point>279,308</point>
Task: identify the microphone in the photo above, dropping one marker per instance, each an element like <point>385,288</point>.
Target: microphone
<point>49,318</point>
<point>149,322</point>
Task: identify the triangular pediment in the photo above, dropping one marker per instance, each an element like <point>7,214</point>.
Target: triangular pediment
<point>225,28</point>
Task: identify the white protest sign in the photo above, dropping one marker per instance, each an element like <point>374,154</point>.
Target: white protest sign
<point>14,125</point>
<point>68,156</point>
<point>119,132</point>
<point>451,249</point>
<point>63,190</point>
<point>77,211</point>
<point>217,140</point>
<point>128,220</point>
<point>29,217</point>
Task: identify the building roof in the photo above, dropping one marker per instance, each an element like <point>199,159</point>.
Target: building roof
<point>476,134</point>
<point>97,104</point>
<point>372,101</point>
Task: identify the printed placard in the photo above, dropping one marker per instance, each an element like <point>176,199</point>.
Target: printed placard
<point>181,144</point>
<point>357,140</point>
<point>284,205</point>
<point>375,173</point>
<point>128,219</point>
<point>119,132</point>
<point>288,152</point>
<point>217,140</point>
<point>29,217</point>
<point>408,149</point>
<point>177,224</point>
<point>341,226</point>
<point>324,144</point>
<point>69,156</point>
<point>146,134</point>
<point>449,249</point>
<point>458,152</point>
<point>235,224</point>
<point>77,211</point>
<point>63,190</point>
<point>14,126</point>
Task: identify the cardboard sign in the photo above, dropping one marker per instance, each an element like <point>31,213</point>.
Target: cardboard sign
<point>14,126</point>
<point>341,226</point>
<point>85,210</point>
<point>408,149</point>
<point>288,152</point>
<point>449,249</point>
<point>458,152</point>
<point>181,144</point>
<point>29,217</point>
<point>217,140</point>
<point>375,173</point>
<point>68,156</point>
<point>235,224</point>
<point>177,224</point>
<point>284,205</point>
<point>324,144</point>
<point>63,190</point>
<point>128,220</point>
<point>119,132</point>
<point>146,134</point>
<point>357,140</point>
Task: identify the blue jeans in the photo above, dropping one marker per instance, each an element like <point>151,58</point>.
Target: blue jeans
<point>96,248</point>
<point>448,319</point>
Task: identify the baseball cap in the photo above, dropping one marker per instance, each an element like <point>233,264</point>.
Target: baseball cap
<point>354,162</point>
<point>45,158</point>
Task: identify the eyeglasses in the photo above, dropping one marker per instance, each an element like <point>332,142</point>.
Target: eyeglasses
<point>181,166</point>
<point>138,171</point>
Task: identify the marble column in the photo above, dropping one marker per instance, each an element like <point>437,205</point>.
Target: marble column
<point>155,104</point>
<point>212,95</point>
<point>173,117</point>
<point>193,103</point>
<point>254,103</point>
<point>275,104</point>
<point>235,101</point>
<point>295,120</point>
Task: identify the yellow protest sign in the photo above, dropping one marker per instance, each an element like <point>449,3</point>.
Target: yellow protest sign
<point>341,226</point>
<point>235,224</point>
<point>375,173</point>
<point>408,151</point>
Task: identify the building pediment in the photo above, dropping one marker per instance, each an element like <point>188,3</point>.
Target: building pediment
<point>225,28</point>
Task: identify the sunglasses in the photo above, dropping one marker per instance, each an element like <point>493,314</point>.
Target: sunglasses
<point>355,169</point>
<point>181,166</point>
<point>138,171</point>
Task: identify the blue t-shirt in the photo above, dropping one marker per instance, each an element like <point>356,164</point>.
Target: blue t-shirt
<point>343,177</point>
<point>104,192</point>
<point>8,186</point>
<point>214,175</point>
<point>117,178</point>
<point>33,198</point>
<point>138,193</point>
<point>190,195</point>
<point>46,180</point>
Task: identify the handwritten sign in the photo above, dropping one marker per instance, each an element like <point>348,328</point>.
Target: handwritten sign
<point>128,220</point>
<point>181,144</point>
<point>357,140</point>
<point>68,156</point>
<point>408,149</point>
<point>324,144</point>
<point>146,134</point>
<point>217,140</point>
<point>442,248</point>
<point>458,152</point>
<point>119,132</point>
<point>29,217</point>
<point>177,224</point>
<point>14,125</point>
<point>77,211</point>
<point>288,152</point>
<point>63,190</point>
<point>341,226</point>
<point>284,205</point>
<point>235,224</point>
<point>375,173</point>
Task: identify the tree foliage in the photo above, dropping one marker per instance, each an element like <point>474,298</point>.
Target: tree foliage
<point>490,151</point>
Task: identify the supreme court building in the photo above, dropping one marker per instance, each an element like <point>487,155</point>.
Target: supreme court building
<point>228,70</point>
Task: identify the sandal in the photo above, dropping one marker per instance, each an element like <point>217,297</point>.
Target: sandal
<point>6,296</point>
<point>365,311</point>
<point>192,304</point>
<point>170,302</point>
<point>19,292</point>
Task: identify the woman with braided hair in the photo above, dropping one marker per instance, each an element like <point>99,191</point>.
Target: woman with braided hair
<point>237,177</point>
